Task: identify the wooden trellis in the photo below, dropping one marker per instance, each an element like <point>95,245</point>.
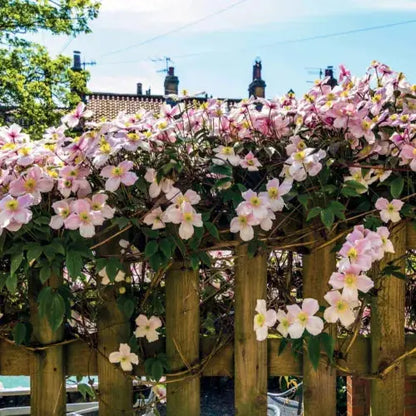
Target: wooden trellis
<point>383,357</point>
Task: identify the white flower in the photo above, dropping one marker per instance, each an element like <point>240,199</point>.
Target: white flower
<point>263,320</point>
<point>125,357</point>
<point>341,308</point>
<point>147,327</point>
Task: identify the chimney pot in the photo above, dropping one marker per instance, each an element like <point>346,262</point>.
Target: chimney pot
<point>171,82</point>
<point>139,88</point>
<point>77,61</point>
<point>171,71</point>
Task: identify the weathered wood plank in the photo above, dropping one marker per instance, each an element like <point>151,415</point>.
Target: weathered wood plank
<point>318,266</point>
<point>47,369</point>
<point>182,338</point>
<point>250,359</point>
<point>387,331</point>
<point>81,360</point>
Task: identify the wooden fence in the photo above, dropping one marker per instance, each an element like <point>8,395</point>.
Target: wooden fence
<point>385,358</point>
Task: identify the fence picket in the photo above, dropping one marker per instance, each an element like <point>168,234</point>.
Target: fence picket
<point>47,375</point>
<point>387,332</point>
<point>319,388</point>
<point>182,338</point>
<point>250,355</point>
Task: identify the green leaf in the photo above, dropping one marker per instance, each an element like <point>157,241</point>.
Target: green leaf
<point>283,343</point>
<point>86,390</point>
<point>328,344</point>
<point>327,217</point>
<point>205,258</point>
<point>11,283</point>
<point>155,261</point>
<point>74,263</point>
<point>33,253</point>
<point>396,187</point>
<point>303,199</point>
<point>225,170</point>
<point>194,261</point>
<point>19,333</point>
<point>151,248</point>
<point>313,212</point>
<point>126,304</point>
<point>45,273</point>
<point>16,261</point>
<point>314,351</point>
<point>156,370</point>
<point>212,229</point>
<point>52,305</point>
<point>166,247</point>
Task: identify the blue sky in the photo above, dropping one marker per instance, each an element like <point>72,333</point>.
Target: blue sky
<point>217,54</point>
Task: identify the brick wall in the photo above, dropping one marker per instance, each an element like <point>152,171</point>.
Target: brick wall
<point>358,397</point>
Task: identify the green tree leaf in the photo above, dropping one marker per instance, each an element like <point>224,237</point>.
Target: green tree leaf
<point>314,350</point>
<point>396,187</point>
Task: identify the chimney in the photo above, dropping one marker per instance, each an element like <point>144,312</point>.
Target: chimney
<point>329,72</point>
<point>257,88</point>
<point>171,82</point>
<point>77,61</point>
<point>139,88</point>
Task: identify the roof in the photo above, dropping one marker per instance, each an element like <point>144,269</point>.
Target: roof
<point>108,105</point>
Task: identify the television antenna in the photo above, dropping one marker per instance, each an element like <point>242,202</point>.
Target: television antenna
<point>85,64</point>
<point>168,62</point>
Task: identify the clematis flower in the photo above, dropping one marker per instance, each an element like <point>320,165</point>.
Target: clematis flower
<point>72,119</point>
<point>341,308</point>
<point>12,134</point>
<point>275,191</point>
<point>119,175</point>
<point>34,182</point>
<point>243,224</point>
<point>351,281</point>
<point>389,211</point>
<point>83,218</point>
<point>250,162</point>
<point>98,204</point>
<point>62,210</point>
<point>408,155</point>
<point>125,357</point>
<point>14,212</point>
<point>255,204</point>
<point>285,320</point>
<point>165,185</point>
<point>263,320</point>
<point>304,319</point>
<point>147,327</point>
<point>387,245</point>
<point>187,217</point>
<point>225,153</point>
<point>155,218</point>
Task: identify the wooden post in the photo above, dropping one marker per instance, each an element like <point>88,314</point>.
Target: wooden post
<point>47,378</point>
<point>250,355</point>
<point>319,388</point>
<point>115,387</point>
<point>182,338</point>
<point>387,332</point>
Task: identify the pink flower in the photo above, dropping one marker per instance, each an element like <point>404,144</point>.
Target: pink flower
<point>12,134</point>
<point>275,191</point>
<point>14,212</point>
<point>165,185</point>
<point>351,281</point>
<point>250,162</point>
<point>72,119</point>
<point>408,153</point>
<point>187,217</point>
<point>358,253</point>
<point>257,205</point>
<point>384,234</point>
<point>125,357</point>
<point>285,320</point>
<point>389,211</point>
<point>341,308</point>
<point>119,174</point>
<point>243,224</point>
<point>147,327</point>
<point>304,319</point>
<point>34,182</point>
<point>98,204</point>
<point>62,209</point>
<point>155,218</point>
<point>263,320</point>
<point>83,218</point>
<point>225,153</point>
<point>73,179</point>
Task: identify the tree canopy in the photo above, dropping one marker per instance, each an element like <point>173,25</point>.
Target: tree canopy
<point>34,87</point>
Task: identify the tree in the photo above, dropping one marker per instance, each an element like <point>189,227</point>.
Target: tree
<point>35,89</point>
